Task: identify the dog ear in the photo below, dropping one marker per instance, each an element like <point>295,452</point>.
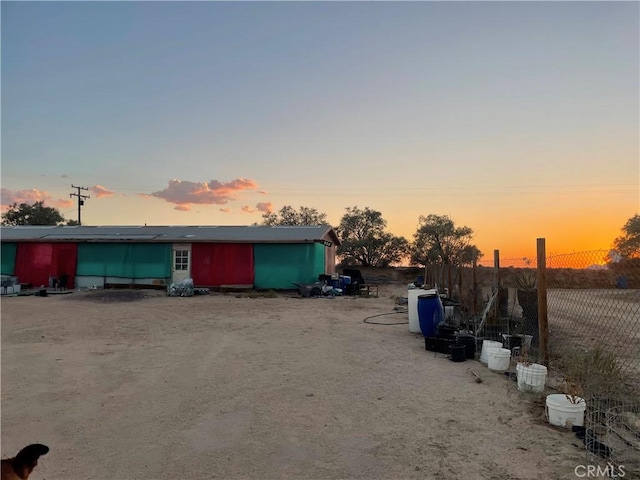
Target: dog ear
<point>31,453</point>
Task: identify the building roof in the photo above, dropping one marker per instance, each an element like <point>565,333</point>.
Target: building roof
<point>184,234</point>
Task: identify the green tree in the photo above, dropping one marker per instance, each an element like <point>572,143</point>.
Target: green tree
<point>365,242</point>
<point>438,240</point>
<point>36,214</point>
<point>627,246</point>
<point>624,259</point>
<point>290,216</point>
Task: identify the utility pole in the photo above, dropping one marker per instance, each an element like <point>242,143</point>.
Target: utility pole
<point>80,199</point>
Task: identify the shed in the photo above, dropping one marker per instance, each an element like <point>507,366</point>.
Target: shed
<point>265,257</point>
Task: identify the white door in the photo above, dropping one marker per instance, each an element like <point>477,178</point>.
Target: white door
<point>181,262</point>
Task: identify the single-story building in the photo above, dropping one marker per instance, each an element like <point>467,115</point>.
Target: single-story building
<point>265,257</point>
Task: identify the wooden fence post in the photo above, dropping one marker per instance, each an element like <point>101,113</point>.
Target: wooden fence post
<point>461,270</point>
<point>543,320</point>
<point>474,284</point>
<point>496,282</point>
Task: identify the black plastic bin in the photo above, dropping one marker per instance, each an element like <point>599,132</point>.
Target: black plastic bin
<point>469,341</point>
<point>431,344</point>
<point>458,352</point>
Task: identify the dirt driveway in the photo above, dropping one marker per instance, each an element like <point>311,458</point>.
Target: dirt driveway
<point>256,388</point>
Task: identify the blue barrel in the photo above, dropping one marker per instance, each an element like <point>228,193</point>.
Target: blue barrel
<point>345,280</point>
<point>430,313</point>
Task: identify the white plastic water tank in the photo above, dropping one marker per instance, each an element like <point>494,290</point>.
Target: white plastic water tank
<point>448,313</point>
<point>414,321</point>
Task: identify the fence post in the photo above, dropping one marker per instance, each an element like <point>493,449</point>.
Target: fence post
<point>496,282</point>
<point>460,271</point>
<point>474,281</point>
<point>543,320</point>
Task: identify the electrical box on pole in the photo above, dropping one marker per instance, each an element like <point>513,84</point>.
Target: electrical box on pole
<point>80,200</point>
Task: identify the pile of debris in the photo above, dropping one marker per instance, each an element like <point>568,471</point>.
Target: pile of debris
<point>183,288</point>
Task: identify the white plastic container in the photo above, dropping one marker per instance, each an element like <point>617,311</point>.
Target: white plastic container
<point>499,359</point>
<point>531,378</point>
<point>563,412</point>
<point>486,345</point>
<point>449,310</point>
<point>412,295</point>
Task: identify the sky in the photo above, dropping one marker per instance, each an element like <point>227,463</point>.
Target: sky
<point>520,120</point>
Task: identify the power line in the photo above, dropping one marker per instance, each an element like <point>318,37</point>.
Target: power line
<point>81,199</point>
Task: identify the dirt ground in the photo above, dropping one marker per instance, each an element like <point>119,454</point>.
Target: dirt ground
<point>138,385</point>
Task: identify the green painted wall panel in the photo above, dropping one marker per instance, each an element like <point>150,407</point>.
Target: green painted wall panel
<point>126,260</point>
<point>8,254</point>
<point>278,266</point>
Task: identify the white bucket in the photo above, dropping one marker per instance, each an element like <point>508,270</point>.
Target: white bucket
<point>486,345</point>
<point>531,378</point>
<point>499,359</point>
<point>562,412</point>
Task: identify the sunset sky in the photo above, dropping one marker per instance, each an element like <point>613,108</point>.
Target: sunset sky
<point>517,119</point>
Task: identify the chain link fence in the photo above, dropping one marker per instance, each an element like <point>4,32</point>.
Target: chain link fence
<point>593,344</point>
<point>593,309</point>
<point>593,350</point>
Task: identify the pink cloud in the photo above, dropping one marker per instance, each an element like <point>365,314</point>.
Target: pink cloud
<point>144,195</point>
<point>183,208</point>
<point>247,209</point>
<point>261,192</point>
<point>266,207</point>
<point>185,193</point>
<point>9,197</point>
<point>64,203</point>
<point>99,191</point>
<point>225,210</point>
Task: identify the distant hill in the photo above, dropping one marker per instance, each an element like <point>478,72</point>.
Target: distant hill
<point>597,267</point>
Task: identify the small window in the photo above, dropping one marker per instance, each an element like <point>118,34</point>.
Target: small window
<point>181,260</point>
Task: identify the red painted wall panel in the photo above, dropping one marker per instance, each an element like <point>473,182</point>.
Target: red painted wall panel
<point>215,264</point>
<point>35,262</point>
